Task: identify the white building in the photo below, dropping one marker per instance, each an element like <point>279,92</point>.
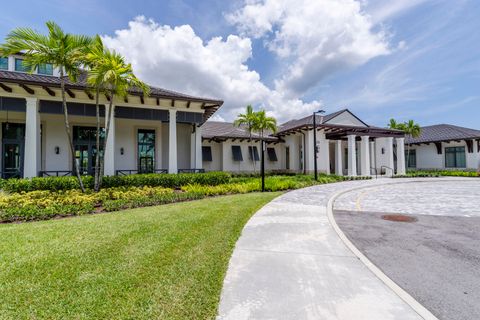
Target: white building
<point>346,146</point>
<point>158,133</point>
<point>444,146</point>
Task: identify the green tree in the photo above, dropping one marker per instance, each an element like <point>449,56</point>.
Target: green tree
<point>64,51</point>
<point>247,119</point>
<point>111,74</point>
<point>263,123</point>
<point>413,130</point>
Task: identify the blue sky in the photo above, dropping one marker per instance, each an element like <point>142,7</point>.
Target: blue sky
<point>415,59</point>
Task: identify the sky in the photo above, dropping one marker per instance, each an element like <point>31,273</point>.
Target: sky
<point>402,59</point>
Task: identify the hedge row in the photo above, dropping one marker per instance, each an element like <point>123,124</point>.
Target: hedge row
<point>438,173</point>
<point>174,181</point>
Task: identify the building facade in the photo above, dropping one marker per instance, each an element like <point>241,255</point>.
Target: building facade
<point>158,133</point>
<point>444,146</point>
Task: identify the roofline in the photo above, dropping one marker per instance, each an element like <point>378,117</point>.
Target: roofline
<point>326,125</point>
<point>443,140</point>
<point>347,110</point>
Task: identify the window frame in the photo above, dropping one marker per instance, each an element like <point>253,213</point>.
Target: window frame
<point>24,69</point>
<point>237,156</point>
<point>253,153</point>
<point>413,164</point>
<point>455,150</point>
<point>4,59</point>
<point>272,154</point>
<point>207,155</point>
<point>45,73</point>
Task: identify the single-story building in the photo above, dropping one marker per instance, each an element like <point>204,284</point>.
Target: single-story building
<point>156,133</point>
<point>444,146</point>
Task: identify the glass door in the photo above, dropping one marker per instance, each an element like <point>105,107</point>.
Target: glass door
<point>13,140</point>
<point>84,140</point>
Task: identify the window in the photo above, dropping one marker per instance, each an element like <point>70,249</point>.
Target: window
<point>45,68</point>
<point>411,158</point>
<point>3,63</point>
<point>455,157</point>
<point>237,153</point>
<point>253,153</point>
<point>272,155</point>
<point>207,153</point>
<point>20,66</point>
<point>146,150</point>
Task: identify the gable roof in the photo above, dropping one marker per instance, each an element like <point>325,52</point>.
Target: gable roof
<point>216,130</point>
<point>443,132</point>
<point>307,122</point>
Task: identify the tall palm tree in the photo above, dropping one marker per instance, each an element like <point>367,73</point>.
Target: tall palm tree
<point>111,74</point>
<point>264,123</point>
<point>93,53</point>
<point>413,130</point>
<point>63,50</point>
<point>247,119</point>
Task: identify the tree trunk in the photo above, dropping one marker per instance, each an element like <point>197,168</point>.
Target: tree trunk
<point>68,131</point>
<point>253,154</point>
<point>107,130</point>
<point>97,156</point>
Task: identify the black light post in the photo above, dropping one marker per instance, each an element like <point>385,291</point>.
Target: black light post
<point>262,164</point>
<point>315,149</point>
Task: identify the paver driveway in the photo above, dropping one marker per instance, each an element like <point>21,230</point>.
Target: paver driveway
<point>437,258</point>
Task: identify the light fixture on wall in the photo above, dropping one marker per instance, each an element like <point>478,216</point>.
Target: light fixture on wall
<point>57,150</point>
<point>383,150</point>
<point>122,150</point>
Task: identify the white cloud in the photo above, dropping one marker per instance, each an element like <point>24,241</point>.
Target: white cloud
<point>176,58</point>
<point>313,38</point>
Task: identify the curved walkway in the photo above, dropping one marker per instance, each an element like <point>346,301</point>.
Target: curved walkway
<point>290,263</point>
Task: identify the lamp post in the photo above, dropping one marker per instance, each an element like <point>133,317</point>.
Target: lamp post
<point>315,149</point>
<point>262,165</point>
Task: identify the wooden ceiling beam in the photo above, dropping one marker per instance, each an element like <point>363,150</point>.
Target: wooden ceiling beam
<point>142,99</point>
<point>49,91</point>
<point>70,93</point>
<point>89,95</point>
<point>6,88</point>
<point>27,88</point>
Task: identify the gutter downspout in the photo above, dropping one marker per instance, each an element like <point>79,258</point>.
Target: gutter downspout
<point>303,153</point>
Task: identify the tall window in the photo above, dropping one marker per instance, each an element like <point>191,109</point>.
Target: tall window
<point>411,158</point>
<point>3,63</point>
<point>45,68</point>
<point>237,153</point>
<point>455,157</point>
<point>20,66</point>
<point>146,150</point>
<point>253,153</point>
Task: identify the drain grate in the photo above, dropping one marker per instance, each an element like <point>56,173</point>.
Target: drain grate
<point>398,218</point>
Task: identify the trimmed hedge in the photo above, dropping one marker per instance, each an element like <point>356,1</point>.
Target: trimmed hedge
<point>438,173</point>
<point>174,181</point>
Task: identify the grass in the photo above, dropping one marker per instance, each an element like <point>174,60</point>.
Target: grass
<point>164,262</point>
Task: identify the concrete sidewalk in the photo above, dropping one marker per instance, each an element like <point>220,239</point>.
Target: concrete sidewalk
<point>289,263</point>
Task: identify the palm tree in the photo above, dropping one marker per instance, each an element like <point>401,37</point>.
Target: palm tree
<point>111,74</point>
<point>247,119</point>
<point>63,50</point>
<point>94,51</point>
<point>413,130</point>
<point>264,123</point>
<point>393,124</point>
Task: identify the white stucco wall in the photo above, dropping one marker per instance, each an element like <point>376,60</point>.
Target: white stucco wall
<point>217,157</point>
<point>428,158</point>
<point>346,118</point>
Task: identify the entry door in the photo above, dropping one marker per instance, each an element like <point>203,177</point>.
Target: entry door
<point>13,141</point>
<point>12,160</point>
<point>85,155</point>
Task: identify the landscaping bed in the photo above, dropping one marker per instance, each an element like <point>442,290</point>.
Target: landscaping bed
<point>439,173</point>
<point>45,198</point>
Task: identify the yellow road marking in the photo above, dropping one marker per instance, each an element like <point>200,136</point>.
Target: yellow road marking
<point>359,200</point>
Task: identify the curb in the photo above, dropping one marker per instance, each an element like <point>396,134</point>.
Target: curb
<point>407,298</point>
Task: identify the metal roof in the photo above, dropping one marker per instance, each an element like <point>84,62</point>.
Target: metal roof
<point>443,132</point>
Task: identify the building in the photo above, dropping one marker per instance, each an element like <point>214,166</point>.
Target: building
<point>158,133</point>
<point>444,146</point>
<point>346,146</point>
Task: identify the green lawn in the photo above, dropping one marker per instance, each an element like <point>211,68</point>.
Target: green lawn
<point>164,262</point>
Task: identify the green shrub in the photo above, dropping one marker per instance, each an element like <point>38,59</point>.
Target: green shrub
<point>138,180</point>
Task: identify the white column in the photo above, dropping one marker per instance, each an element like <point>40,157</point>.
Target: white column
<point>389,155</point>
<point>32,158</point>
<point>373,162</point>
<point>308,153</point>
<point>401,155</point>
<point>109,154</point>
<point>338,158</point>
<point>365,156</point>
<point>172,142</point>
<point>198,148</point>
<point>323,160</point>
<point>352,155</point>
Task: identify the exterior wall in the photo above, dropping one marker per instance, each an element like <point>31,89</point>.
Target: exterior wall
<point>183,145</point>
<point>428,158</point>
<point>222,157</point>
<point>297,149</point>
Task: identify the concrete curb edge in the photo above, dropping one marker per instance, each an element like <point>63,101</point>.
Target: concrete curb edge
<point>407,298</point>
